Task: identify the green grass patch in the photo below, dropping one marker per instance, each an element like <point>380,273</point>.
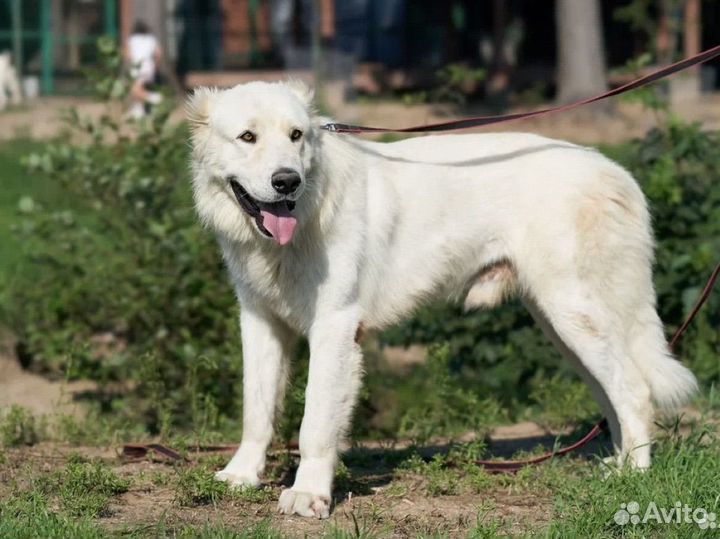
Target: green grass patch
<point>684,473</point>
<point>208,530</point>
<point>85,488</point>
<point>198,486</point>
<point>18,426</point>
<point>31,515</point>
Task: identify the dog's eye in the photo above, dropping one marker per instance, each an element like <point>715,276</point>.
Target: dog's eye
<point>248,136</point>
<point>295,135</point>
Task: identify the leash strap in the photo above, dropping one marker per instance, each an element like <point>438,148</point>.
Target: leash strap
<point>489,120</point>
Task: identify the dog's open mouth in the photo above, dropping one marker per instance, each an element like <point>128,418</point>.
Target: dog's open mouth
<point>274,219</point>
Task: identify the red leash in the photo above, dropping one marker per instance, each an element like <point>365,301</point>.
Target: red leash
<point>489,120</point>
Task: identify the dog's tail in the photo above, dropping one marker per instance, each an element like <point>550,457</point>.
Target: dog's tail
<point>671,383</point>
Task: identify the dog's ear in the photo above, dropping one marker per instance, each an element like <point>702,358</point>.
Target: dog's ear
<point>302,91</point>
<point>198,105</point>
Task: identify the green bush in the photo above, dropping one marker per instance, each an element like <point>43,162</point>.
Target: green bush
<point>128,286</point>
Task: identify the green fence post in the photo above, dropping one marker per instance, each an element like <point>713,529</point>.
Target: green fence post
<point>16,15</point>
<point>47,43</point>
<point>111,18</point>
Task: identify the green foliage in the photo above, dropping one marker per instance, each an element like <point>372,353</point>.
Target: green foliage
<point>107,77</point>
<point>18,426</point>
<point>679,169</point>
<point>637,14</point>
<point>62,503</point>
<point>561,401</point>
<point>198,486</point>
<point>451,473</point>
<point>31,515</point>
<point>446,407</point>
<point>683,470</point>
<point>219,530</point>
<point>457,81</point>
<point>85,489</point>
<point>127,285</point>
<point>115,425</point>
<point>653,97</point>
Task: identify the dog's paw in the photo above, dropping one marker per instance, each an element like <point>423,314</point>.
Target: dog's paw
<point>304,504</point>
<point>237,479</point>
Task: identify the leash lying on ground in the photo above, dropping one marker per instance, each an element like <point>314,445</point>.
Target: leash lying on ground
<point>140,451</point>
<point>489,120</point>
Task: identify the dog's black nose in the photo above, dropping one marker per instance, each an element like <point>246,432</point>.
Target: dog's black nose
<point>285,181</point>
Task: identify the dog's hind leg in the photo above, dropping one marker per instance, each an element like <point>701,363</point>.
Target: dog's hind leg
<point>591,336</point>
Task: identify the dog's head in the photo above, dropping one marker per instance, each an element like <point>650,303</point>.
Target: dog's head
<point>252,154</point>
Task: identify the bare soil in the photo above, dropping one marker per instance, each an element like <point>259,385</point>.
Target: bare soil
<point>383,505</point>
<point>32,391</point>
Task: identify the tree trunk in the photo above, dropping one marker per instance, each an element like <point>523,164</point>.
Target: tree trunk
<point>581,58</point>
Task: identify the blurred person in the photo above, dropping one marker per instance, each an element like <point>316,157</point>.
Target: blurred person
<point>143,54</point>
<point>9,82</point>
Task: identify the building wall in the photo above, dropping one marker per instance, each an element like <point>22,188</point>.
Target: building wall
<point>237,27</point>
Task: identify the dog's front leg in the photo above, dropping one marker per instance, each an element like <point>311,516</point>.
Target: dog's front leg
<point>267,345</point>
<point>333,381</point>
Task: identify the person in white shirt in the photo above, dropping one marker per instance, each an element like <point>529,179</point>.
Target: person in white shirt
<point>9,83</point>
<point>142,52</point>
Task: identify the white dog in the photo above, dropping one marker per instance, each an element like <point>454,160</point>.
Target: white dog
<point>324,234</point>
<point>9,83</point>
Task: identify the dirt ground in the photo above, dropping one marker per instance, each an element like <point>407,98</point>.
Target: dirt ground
<point>377,501</point>
<point>32,391</point>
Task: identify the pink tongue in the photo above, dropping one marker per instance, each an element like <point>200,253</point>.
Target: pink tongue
<point>278,220</point>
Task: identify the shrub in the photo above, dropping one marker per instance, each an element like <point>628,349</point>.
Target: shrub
<point>18,426</point>
<point>128,286</point>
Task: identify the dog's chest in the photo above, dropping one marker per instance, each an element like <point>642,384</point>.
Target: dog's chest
<point>283,283</point>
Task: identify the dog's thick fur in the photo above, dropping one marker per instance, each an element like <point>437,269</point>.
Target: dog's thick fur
<point>383,227</point>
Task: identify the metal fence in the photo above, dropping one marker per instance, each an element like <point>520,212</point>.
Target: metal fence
<point>40,32</point>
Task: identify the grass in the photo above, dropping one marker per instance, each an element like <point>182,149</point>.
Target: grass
<point>684,471</point>
<point>19,427</point>
<point>376,492</point>
<point>63,503</point>
<point>197,486</point>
